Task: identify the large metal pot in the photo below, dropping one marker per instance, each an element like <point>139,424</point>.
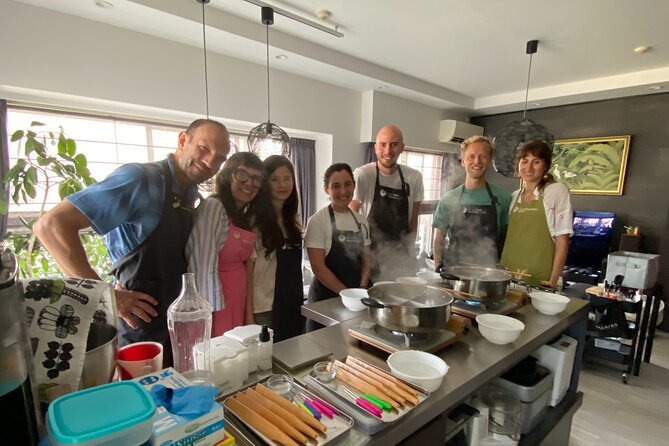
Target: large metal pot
<point>488,284</point>
<point>100,358</point>
<point>409,308</point>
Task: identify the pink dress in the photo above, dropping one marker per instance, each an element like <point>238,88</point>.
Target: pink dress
<point>237,249</point>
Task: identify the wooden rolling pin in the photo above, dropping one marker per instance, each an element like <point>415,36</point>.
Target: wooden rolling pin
<point>292,408</point>
<point>259,423</point>
<point>386,375</point>
<point>272,417</point>
<point>283,413</point>
<point>363,387</point>
<point>369,380</point>
<point>385,382</point>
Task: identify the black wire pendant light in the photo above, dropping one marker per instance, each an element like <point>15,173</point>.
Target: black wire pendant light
<point>204,46</point>
<point>509,139</point>
<point>267,138</point>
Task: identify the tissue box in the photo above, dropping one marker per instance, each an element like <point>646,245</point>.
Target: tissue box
<point>175,430</point>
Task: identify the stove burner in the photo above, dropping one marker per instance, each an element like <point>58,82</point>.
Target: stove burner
<point>473,303</point>
<point>401,338</point>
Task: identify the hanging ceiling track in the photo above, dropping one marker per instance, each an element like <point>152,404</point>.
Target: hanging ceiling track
<point>297,18</point>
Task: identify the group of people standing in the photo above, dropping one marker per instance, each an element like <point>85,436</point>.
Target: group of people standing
<point>244,242</point>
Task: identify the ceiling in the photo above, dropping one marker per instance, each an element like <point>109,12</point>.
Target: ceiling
<point>459,55</point>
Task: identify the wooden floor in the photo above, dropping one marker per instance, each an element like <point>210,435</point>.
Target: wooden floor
<point>617,414</point>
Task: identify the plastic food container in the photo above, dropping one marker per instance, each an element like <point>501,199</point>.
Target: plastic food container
<point>229,361</point>
<point>116,414</point>
<point>248,335</point>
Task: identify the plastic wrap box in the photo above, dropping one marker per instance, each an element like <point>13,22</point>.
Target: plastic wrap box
<point>174,430</point>
<point>640,270</point>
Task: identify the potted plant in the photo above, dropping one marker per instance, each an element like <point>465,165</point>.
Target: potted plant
<point>46,159</point>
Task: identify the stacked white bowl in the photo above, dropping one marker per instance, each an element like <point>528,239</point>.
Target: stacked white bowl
<point>351,298</point>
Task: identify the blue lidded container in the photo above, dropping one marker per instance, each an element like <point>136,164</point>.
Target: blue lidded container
<point>120,413</point>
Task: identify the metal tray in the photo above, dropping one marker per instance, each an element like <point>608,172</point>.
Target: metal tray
<point>336,427</point>
<point>365,421</point>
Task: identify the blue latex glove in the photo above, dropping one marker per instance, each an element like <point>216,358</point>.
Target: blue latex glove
<point>191,401</point>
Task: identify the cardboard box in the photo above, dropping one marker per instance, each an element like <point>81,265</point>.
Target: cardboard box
<point>174,430</point>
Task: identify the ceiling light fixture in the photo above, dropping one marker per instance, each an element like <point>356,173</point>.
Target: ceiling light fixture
<point>382,87</point>
<point>104,4</point>
<point>641,49</point>
<point>204,46</point>
<point>267,138</point>
<point>297,18</point>
<point>655,87</point>
<point>281,57</point>
<point>509,139</point>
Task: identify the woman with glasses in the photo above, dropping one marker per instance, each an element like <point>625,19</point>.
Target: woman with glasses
<point>222,242</point>
<point>337,240</point>
<point>277,274</point>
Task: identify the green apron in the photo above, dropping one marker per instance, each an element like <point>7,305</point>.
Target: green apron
<point>529,245</point>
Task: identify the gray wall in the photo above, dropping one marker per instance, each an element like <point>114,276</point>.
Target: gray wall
<point>645,201</point>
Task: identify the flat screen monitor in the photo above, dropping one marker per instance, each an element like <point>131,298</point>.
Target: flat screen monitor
<point>591,241</point>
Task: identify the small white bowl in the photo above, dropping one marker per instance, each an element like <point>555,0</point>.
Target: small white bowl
<point>499,329</point>
<point>351,297</point>
<point>429,276</point>
<point>411,279</point>
<point>423,369</point>
<point>548,303</point>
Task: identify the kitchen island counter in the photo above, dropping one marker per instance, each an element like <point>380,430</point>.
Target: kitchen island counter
<point>472,360</point>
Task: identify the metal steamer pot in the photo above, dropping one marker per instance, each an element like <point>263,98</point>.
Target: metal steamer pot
<point>409,308</point>
<point>489,285</point>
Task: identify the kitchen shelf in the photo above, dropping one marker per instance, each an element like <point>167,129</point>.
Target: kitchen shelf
<point>551,428</point>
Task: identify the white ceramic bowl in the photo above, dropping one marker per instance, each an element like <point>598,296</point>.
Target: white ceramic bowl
<point>548,303</point>
<point>350,297</point>
<point>429,276</point>
<point>411,279</point>
<point>423,369</point>
<point>499,329</point>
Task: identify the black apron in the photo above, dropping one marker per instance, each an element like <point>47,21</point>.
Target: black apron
<point>474,234</point>
<point>287,322</point>
<point>389,224</point>
<point>344,260</point>
<point>155,267</point>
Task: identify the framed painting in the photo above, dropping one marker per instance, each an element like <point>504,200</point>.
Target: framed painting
<point>593,166</point>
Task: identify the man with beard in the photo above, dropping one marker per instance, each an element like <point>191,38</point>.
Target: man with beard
<point>389,195</point>
<point>145,212</point>
<point>474,216</point>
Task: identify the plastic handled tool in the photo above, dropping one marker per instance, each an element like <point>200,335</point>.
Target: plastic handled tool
<point>369,407</point>
<point>378,402</point>
<point>324,409</point>
<point>306,409</point>
<point>328,406</point>
<point>312,409</point>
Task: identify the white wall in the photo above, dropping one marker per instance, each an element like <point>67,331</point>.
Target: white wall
<point>51,58</point>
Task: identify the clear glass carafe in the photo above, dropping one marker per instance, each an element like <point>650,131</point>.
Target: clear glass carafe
<point>189,323</point>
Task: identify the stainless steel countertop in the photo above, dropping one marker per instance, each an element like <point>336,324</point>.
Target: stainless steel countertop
<point>473,360</point>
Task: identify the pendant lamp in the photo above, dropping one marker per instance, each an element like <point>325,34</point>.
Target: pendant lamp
<point>267,138</point>
<point>509,139</point>
<point>204,46</point>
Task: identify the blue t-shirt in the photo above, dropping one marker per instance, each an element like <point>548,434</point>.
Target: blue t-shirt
<point>127,205</point>
<point>444,214</point>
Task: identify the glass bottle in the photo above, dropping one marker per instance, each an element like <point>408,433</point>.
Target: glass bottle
<point>189,323</point>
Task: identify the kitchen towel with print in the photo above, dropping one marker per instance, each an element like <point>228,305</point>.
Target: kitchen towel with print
<point>59,316</point>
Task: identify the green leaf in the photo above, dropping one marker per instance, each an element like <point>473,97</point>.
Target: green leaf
<point>36,124</point>
<point>32,145</point>
<point>62,145</point>
<point>80,160</point>
<point>31,176</point>
<point>14,171</point>
<point>45,265</point>
<point>71,146</point>
<point>30,189</point>
<point>17,135</point>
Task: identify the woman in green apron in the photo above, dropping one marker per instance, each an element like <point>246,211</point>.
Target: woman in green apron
<point>540,219</point>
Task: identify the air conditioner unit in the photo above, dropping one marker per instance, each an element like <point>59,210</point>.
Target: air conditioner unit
<point>454,132</point>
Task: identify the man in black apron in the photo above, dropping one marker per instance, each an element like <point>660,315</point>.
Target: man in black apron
<point>471,217</point>
<point>392,212</point>
<point>147,249</point>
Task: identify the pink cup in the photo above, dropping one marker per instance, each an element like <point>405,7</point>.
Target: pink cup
<point>139,359</point>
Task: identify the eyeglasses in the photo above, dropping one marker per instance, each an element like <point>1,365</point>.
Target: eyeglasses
<point>243,176</point>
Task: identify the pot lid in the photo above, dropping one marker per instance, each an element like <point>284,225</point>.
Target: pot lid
<point>410,295</point>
